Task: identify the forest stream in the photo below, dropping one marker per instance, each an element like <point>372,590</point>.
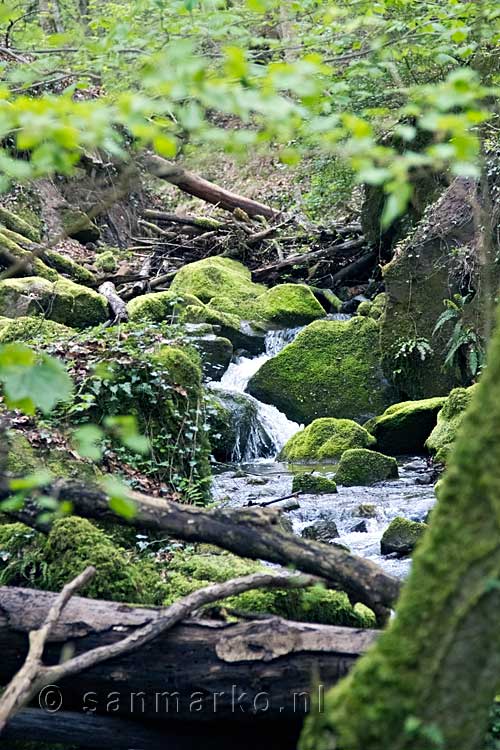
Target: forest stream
<point>360,514</point>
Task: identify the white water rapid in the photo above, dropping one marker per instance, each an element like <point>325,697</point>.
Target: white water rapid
<point>271,428</point>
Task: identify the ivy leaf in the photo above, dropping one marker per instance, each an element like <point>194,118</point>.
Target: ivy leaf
<point>32,381</point>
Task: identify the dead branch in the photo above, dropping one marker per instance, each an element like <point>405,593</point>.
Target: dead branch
<point>195,185</point>
<point>115,302</point>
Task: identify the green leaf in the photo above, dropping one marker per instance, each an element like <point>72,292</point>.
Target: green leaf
<point>32,381</point>
<point>88,439</point>
<point>119,500</point>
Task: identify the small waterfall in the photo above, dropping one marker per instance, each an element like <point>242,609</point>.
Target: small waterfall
<point>270,429</point>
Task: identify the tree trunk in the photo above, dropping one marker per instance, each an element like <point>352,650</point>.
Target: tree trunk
<point>195,185</point>
<point>207,663</point>
<point>431,678</point>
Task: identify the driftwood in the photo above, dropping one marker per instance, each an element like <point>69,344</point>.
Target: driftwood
<point>115,302</point>
<point>201,670</point>
<point>195,185</point>
<point>250,532</point>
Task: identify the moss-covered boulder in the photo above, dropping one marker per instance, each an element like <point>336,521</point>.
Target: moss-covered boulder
<point>289,305</point>
<point>68,267</point>
<point>401,537</point>
<point>359,467</point>
<point>245,337</point>
<point>78,225</point>
<point>106,262</point>
<point>326,438</point>
<point>403,428</point>
<point>159,306</point>
<point>373,308</point>
<point>449,419</point>
<point>62,301</point>
<point>32,330</point>
<point>313,484</point>
<point>226,286</point>
<point>188,572</point>
<point>221,279</point>
<point>74,543</point>
<point>332,368</point>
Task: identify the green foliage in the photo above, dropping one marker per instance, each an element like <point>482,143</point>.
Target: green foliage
<point>465,347</point>
<point>442,437</point>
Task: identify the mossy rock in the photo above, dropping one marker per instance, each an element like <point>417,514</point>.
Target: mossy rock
<point>449,419</point>
<point>24,459</point>
<point>21,555</point>
<point>223,278</point>
<point>226,286</point>
<point>332,368</point>
<point>32,330</point>
<point>244,337</point>
<point>215,352</point>
<point>78,226</point>
<point>401,537</point>
<point>159,306</point>
<point>106,262</point>
<point>311,484</point>
<point>188,572</point>
<point>290,305</point>
<point>69,267</point>
<point>62,301</point>
<point>74,543</point>
<point>326,438</point>
<point>17,223</point>
<point>359,467</point>
<point>403,428</point>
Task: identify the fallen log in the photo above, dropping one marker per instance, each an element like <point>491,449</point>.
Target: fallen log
<point>200,222</point>
<point>250,532</point>
<point>195,185</point>
<point>201,670</point>
<point>359,266</point>
<point>115,302</point>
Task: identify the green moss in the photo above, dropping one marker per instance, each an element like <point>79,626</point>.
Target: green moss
<point>313,485</point>
<point>21,554</point>
<point>290,305</point>
<point>403,428</point>
<point>77,225</point>
<point>359,467</point>
<point>401,536</point>
<point>32,330</point>
<point>160,306</point>
<point>106,261</point>
<point>69,267</point>
<point>63,301</point>
<point>74,543</point>
<point>10,248</point>
<point>16,223</point>
<point>24,459</point>
<point>188,572</point>
<point>218,277</point>
<point>449,419</point>
<point>331,368</point>
<point>326,438</point>
<point>364,308</point>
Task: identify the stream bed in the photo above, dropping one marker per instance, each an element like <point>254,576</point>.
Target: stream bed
<point>255,476</point>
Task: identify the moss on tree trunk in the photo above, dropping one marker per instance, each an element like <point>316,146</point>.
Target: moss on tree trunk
<point>430,680</point>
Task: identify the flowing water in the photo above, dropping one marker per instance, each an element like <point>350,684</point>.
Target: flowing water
<point>258,477</point>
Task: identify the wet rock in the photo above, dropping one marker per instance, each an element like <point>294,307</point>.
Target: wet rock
<point>403,428</point>
<point>257,480</point>
<point>359,467</point>
<point>332,367</point>
<point>401,537</point>
<point>323,530</point>
<point>288,505</point>
<point>313,485</point>
<point>215,352</point>
<point>366,510</point>
<point>236,433</point>
<point>361,527</point>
